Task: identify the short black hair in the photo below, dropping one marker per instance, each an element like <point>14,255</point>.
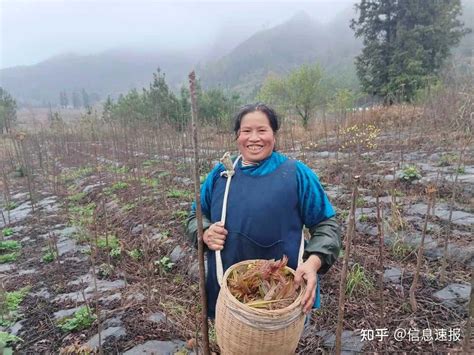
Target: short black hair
<point>267,110</point>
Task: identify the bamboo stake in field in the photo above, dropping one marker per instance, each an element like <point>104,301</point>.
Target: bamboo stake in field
<point>347,251</point>
<point>197,198</point>
<point>447,234</point>
<point>381,245</point>
<point>431,197</point>
<point>468,335</point>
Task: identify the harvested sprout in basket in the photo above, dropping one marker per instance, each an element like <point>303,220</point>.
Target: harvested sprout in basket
<point>265,284</point>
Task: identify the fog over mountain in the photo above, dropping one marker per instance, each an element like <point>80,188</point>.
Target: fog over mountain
<point>35,30</point>
<point>110,47</point>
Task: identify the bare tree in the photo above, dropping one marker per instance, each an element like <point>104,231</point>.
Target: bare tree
<point>197,185</point>
<point>347,251</point>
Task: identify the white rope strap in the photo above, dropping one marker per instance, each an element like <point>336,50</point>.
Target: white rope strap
<point>229,173</point>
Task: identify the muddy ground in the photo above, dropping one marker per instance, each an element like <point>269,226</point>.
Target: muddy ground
<point>116,230</point>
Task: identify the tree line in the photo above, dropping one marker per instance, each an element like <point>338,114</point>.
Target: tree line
<point>158,104</point>
<point>7,111</point>
<point>77,99</point>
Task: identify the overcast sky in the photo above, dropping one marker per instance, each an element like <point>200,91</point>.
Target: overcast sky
<point>34,30</point>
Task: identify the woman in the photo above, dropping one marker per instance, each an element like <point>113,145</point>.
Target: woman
<point>270,199</point>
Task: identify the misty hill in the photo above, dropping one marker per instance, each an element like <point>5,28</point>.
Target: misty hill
<point>107,73</point>
<point>279,49</point>
<point>276,50</point>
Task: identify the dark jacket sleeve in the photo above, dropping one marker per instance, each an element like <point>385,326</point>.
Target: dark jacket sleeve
<point>191,227</point>
<point>325,242</point>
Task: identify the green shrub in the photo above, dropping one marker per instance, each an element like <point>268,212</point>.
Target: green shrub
<point>135,254</point>
<point>116,252</point>
<point>49,256</point>
<point>181,215</point>
<point>77,197</point>
<point>360,202</point>
<point>400,249</point>
<point>76,173</point>
<point>6,338</point>
<point>357,281</point>
<point>13,299</point>
<point>150,182</point>
<point>175,193</point>
<point>82,319</point>
<point>106,270</point>
<point>447,160</point>
<point>118,169</point>
<point>164,264</point>
<point>82,215</point>
<point>9,305</point>
<point>9,257</point>
<point>108,242</point>
<point>7,232</point>
<point>411,173</point>
<point>119,185</point>
<point>9,245</point>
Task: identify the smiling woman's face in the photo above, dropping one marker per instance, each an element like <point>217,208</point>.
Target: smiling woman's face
<point>256,139</point>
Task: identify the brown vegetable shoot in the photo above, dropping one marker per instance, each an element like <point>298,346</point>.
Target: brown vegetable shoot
<point>264,284</point>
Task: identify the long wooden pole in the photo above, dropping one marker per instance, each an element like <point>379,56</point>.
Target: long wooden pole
<point>197,198</point>
<point>347,252</point>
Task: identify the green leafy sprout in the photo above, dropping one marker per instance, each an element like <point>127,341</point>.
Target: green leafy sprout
<point>77,197</point>
<point>400,249</point>
<point>175,193</point>
<point>119,185</point>
<point>7,338</point>
<point>76,173</point>
<point>357,281</point>
<point>165,264</point>
<point>116,252</point>
<point>82,319</point>
<point>82,215</point>
<point>411,173</point>
<point>11,205</point>
<point>9,257</point>
<point>135,254</point>
<point>49,256</point>
<point>109,241</point>
<point>9,245</point>
<point>106,270</point>
<point>10,305</point>
<point>7,232</point>
<point>181,215</point>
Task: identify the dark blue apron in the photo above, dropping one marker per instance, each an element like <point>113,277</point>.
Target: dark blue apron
<point>262,221</point>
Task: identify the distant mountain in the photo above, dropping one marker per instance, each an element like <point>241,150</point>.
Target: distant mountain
<point>243,68</point>
<point>108,73</point>
<point>279,49</point>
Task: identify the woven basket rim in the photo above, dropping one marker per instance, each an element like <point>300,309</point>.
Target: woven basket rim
<point>257,311</point>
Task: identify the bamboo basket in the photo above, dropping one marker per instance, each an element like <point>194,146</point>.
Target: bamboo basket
<point>241,329</point>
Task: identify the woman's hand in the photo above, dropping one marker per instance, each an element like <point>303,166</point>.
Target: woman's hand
<point>214,236</point>
<point>308,271</point>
